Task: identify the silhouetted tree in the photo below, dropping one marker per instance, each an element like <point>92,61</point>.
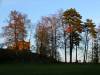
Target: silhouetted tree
<point>98,38</point>
<point>73,19</point>
<point>76,42</point>
<point>95,52</point>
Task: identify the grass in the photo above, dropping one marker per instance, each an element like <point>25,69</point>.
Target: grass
<point>49,69</point>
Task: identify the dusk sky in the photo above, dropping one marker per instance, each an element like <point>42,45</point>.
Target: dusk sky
<point>37,8</point>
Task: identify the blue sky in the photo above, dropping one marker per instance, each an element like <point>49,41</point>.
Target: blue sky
<point>37,8</point>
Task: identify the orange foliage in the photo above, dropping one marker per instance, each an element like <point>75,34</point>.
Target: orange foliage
<point>69,29</point>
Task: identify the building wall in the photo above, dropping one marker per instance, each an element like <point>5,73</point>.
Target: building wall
<point>22,45</point>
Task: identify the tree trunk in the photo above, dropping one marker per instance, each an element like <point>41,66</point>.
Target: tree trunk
<point>92,50</point>
<point>76,54</point>
<point>55,45</point>
<point>65,48</point>
<point>71,47</point>
<point>86,44</point>
<point>16,39</point>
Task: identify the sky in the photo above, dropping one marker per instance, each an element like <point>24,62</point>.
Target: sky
<point>37,8</point>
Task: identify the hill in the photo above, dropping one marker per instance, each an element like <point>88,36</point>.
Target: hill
<point>25,56</point>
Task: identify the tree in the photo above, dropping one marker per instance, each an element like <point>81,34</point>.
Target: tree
<point>49,26</point>
<point>73,19</point>
<point>96,47</point>
<point>16,30</point>
<point>98,37</point>
<point>95,52</point>
<point>42,39</point>
<point>63,34</point>
<point>89,28</point>
<point>76,42</point>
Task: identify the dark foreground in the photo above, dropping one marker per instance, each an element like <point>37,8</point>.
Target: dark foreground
<point>49,69</point>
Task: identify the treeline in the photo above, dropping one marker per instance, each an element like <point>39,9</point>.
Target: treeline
<point>65,31</point>
<point>62,31</point>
